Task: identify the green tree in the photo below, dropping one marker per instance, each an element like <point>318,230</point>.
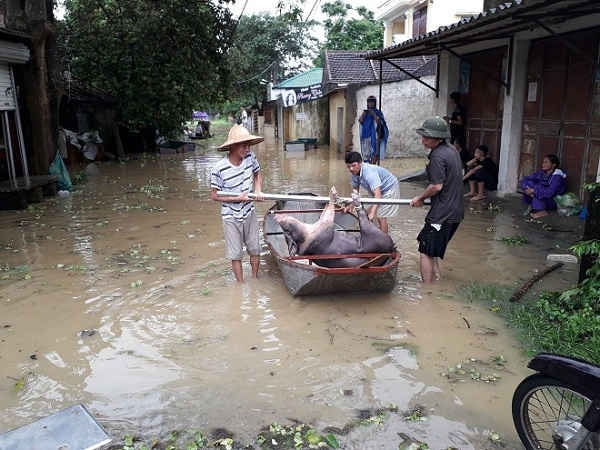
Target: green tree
<point>346,33</point>
<point>159,58</point>
<point>268,48</point>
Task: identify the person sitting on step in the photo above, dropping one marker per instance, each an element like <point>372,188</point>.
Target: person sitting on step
<point>482,174</point>
<point>540,188</point>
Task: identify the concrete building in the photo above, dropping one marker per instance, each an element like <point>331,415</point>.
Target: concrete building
<point>302,110</point>
<point>406,19</point>
<point>528,72</point>
<point>349,78</point>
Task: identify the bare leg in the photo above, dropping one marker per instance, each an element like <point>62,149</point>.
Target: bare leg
<point>383,224</point>
<point>437,273</point>
<point>255,263</point>
<point>480,192</point>
<point>426,264</point>
<point>471,189</point>
<point>236,266</point>
<point>481,188</point>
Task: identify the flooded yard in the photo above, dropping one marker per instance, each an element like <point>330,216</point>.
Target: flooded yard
<point>119,297</point>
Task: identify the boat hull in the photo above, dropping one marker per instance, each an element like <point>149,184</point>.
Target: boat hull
<point>303,277</point>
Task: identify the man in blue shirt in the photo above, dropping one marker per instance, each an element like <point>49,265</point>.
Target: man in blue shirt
<point>379,182</point>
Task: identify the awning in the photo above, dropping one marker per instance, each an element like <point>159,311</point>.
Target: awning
<point>494,24</point>
<point>14,52</point>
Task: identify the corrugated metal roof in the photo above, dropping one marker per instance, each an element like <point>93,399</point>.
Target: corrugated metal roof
<point>309,78</point>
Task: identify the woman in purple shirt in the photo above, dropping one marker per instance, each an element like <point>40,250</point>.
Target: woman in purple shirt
<point>540,188</point>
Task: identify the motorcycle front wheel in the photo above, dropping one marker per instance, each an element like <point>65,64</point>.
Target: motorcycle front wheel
<point>547,413</point>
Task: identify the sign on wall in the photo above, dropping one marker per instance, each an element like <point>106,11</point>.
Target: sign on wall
<point>292,97</point>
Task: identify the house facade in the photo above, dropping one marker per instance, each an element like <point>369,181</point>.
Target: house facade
<point>528,72</point>
<point>301,108</point>
<point>406,19</point>
<point>349,78</point>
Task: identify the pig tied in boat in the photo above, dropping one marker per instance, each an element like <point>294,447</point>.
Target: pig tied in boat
<point>322,238</point>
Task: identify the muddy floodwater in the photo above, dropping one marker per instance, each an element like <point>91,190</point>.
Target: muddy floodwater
<point>119,297</point>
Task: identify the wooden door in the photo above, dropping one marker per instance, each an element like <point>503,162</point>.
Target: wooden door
<point>484,101</point>
<point>562,106</point>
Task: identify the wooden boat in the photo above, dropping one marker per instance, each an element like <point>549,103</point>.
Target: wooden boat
<point>303,276</point>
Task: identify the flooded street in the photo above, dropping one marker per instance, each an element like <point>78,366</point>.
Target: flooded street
<point>120,297</point>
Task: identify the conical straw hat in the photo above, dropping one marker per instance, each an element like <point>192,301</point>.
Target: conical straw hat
<point>237,135</point>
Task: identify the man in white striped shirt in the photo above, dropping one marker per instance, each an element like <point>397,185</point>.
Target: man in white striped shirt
<point>239,172</point>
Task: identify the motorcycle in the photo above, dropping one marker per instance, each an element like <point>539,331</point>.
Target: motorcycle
<point>558,408</point>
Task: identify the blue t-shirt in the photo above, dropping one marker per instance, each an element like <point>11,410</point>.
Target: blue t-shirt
<point>372,176</point>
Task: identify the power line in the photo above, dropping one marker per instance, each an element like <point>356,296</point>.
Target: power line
<point>257,75</point>
<point>311,10</point>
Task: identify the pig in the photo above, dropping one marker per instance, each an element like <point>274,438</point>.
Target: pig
<point>320,238</point>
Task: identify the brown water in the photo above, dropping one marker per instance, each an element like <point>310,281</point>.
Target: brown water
<point>136,256</point>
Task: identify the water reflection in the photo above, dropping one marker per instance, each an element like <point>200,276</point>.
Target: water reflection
<point>178,343</point>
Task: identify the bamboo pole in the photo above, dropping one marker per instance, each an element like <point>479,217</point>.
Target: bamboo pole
<point>311,198</point>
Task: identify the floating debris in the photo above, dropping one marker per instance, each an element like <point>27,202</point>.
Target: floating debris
<point>476,370</point>
<point>517,240</point>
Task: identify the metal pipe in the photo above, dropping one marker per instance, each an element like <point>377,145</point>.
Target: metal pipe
<point>310,198</point>
<point>12,174</point>
<point>20,134</point>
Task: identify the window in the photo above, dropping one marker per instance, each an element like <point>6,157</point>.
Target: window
<point>420,21</point>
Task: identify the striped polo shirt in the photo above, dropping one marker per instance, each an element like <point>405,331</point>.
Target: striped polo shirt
<point>225,176</point>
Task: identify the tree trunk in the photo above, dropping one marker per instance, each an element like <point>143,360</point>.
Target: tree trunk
<point>37,101</point>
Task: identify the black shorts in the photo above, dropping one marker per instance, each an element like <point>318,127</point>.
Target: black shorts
<point>433,243</point>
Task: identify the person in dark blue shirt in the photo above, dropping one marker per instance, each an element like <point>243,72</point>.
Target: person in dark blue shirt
<point>374,133</point>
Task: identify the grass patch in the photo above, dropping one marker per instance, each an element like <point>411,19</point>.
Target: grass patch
<point>548,322</point>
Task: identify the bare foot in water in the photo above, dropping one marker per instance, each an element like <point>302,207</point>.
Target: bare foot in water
<point>478,197</point>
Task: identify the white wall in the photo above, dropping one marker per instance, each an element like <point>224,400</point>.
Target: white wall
<point>405,105</point>
<point>439,13</point>
<point>445,12</point>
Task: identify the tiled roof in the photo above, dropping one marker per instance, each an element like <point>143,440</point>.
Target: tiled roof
<point>309,78</point>
<point>350,66</point>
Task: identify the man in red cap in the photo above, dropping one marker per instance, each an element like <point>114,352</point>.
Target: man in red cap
<point>239,172</point>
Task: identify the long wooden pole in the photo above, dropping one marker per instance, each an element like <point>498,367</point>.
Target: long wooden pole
<point>311,198</point>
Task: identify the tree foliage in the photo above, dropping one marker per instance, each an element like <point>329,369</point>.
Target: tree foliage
<point>268,48</point>
<point>344,32</point>
<point>157,57</point>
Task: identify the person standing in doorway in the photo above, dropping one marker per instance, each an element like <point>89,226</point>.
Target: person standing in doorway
<point>379,182</point>
<point>445,190</point>
<point>239,171</point>
<point>374,133</point>
<point>458,122</point>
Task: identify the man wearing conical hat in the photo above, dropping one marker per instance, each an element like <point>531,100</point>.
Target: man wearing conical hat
<point>239,171</point>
